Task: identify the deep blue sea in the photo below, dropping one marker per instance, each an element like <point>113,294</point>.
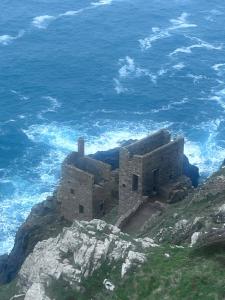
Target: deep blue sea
<point>108,71</point>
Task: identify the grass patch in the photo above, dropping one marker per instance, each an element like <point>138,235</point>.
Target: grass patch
<point>184,275</point>
<point>181,276</point>
<point>8,290</point>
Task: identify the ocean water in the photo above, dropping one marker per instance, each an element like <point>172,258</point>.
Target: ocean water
<point>108,70</point>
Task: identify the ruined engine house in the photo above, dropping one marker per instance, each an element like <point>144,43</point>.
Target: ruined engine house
<point>89,188</point>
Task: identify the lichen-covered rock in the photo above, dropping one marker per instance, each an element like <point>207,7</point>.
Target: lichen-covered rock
<point>76,253</point>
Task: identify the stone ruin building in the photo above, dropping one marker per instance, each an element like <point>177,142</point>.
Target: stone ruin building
<point>89,188</point>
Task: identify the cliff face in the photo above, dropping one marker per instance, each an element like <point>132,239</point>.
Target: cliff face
<point>43,222</point>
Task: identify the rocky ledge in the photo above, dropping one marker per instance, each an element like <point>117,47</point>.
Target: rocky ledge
<point>76,253</point>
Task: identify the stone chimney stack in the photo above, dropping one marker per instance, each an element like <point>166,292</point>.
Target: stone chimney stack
<point>81,146</point>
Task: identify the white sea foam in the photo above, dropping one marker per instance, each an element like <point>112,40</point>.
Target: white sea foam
<point>7,39</point>
<point>179,66</point>
<point>42,22</point>
<point>219,97</point>
<point>217,67</point>
<point>200,44</point>
<point>158,34</point>
<point>207,155</point>
<point>181,22</point>
<point>20,96</point>
<point>170,106</point>
<point>162,72</point>
<point>130,69</point>
<point>71,13</point>
<point>220,69</point>
<point>54,105</point>
<point>118,86</point>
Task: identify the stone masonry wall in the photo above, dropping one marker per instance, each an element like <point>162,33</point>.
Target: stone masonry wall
<point>168,160</point>
<point>128,167</point>
<point>76,189</point>
<point>98,168</point>
<point>149,143</point>
<point>105,196</point>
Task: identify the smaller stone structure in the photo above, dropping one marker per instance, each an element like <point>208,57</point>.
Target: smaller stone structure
<point>88,188</point>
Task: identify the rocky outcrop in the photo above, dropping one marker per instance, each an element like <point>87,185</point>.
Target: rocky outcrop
<point>43,222</point>
<point>76,253</point>
<point>191,171</point>
<point>178,190</point>
<point>200,215</point>
<point>214,239</point>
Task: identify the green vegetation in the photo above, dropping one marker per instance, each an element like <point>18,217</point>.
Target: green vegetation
<point>8,290</point>
<point>185,274</point>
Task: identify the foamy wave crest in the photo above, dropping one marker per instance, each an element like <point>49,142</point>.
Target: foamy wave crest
<point>208,155</point>
<point>60,137</point>
<point>200,44</point>
<point>158,34</point>
<point>42,22</point>
<point>64,138</point>
<point>7,39</point>
<point>113,137</point>
<point>15,209</point>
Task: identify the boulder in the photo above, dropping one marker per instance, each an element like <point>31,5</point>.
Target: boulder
<point>191,171</point>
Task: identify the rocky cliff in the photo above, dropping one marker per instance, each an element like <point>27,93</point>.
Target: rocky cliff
<point>178,254</point>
